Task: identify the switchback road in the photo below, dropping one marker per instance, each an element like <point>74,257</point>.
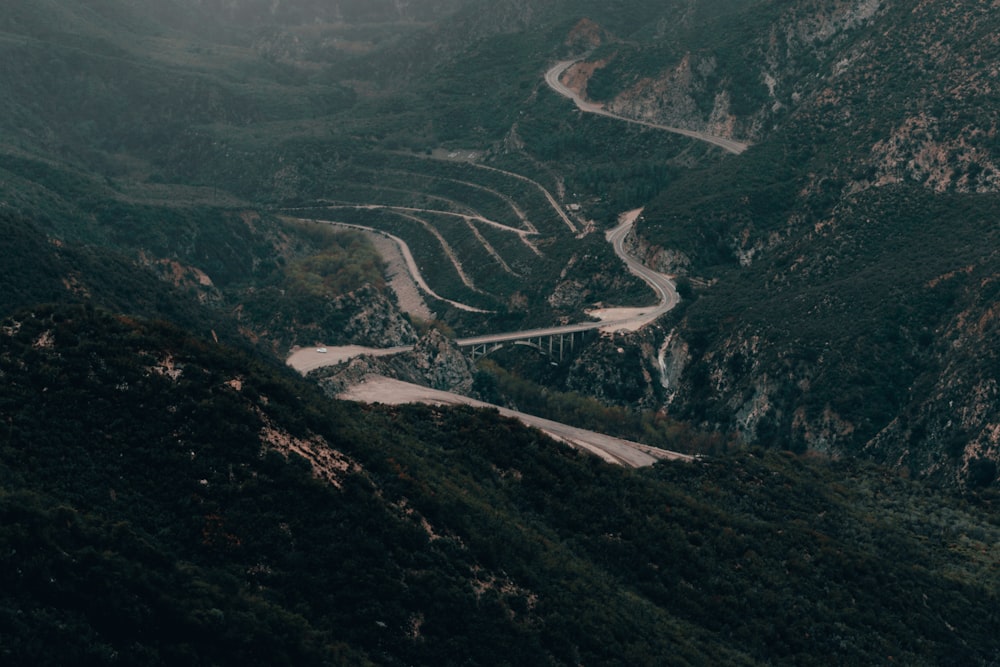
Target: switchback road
<point>613,319</point>
<point>411,263</point>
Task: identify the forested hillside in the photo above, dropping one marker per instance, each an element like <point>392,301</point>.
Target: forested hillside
<point>167,499</point>
<point>855,247</point>
<point>119,191</point>
<point>175,181</point>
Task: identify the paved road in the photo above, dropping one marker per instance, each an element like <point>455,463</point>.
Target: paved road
<point>662,284</point>
<point>310,358</point>
<point>378,389</point>
<point>552,79</point>
<point>631,319</point>
<point>411,263</point>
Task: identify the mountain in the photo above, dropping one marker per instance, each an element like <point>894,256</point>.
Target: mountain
<point>851,249</point>
<point>170,499</point>
<point>112,169</point>
<point>172,493</point>
<point>851,252</point>
<point>855,246</point>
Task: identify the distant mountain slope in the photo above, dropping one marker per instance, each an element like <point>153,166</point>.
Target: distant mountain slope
<point>861,316</point>
<point>255,12</point>
<point>111,170</point>
<point>42,269</point>
<point>874,126</point>
<point>168,500</point>
<point>855,244</point>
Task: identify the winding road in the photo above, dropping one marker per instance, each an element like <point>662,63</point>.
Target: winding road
<point>662,284</point>
<point>611,319</point>
<point>553,76</point>
<point>613,450</point>
<point>411,264</point>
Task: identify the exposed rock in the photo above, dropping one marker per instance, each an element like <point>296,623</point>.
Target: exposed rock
<point>698,92</point>
<point>946,427</point>
<point>435,361</point>
<point>585,36</point>
<point>920,150</point>
<point>440,363</point>
<point>335,380</point>
<point>620,370</point>
<point>181,275</point>
<point>375,321</point>
<point>327,463</point>
<point>568,294</point>
<point>576,77</point>
<point>952,431</point>
<point>665,260</point>
<point>672,98</point>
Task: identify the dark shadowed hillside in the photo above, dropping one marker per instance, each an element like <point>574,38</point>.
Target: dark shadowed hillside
<point>167,500</point>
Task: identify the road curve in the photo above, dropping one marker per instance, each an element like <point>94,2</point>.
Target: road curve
<point>411,263</point>
<point>308,359</point>
<point>613,450</point>
<point>552,78</point>
<point>379,389</point>
<point>661,284</point>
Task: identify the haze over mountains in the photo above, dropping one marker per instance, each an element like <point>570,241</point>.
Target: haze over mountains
<point>172,493</point>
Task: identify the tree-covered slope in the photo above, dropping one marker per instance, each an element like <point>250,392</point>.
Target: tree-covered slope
<point>166,144</point>
<point>856,252</point>
<point>168,500</point>
<point>874,131</point>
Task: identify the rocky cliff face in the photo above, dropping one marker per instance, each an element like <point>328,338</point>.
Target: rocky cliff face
<point>373,319</point>
<point>439,363</point>
<point>912,384</point>
<point>737,87</point>
<point>435,362</point>
<point>366,316</point>
<point>677,96</point>
<point>923,399</point>
<point>951,430</point>
<point>619,370</point>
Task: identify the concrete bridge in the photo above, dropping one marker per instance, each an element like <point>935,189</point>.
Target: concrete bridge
<point>556,342</point>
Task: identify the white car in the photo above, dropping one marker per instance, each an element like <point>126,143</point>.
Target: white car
<point>321,350</point>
